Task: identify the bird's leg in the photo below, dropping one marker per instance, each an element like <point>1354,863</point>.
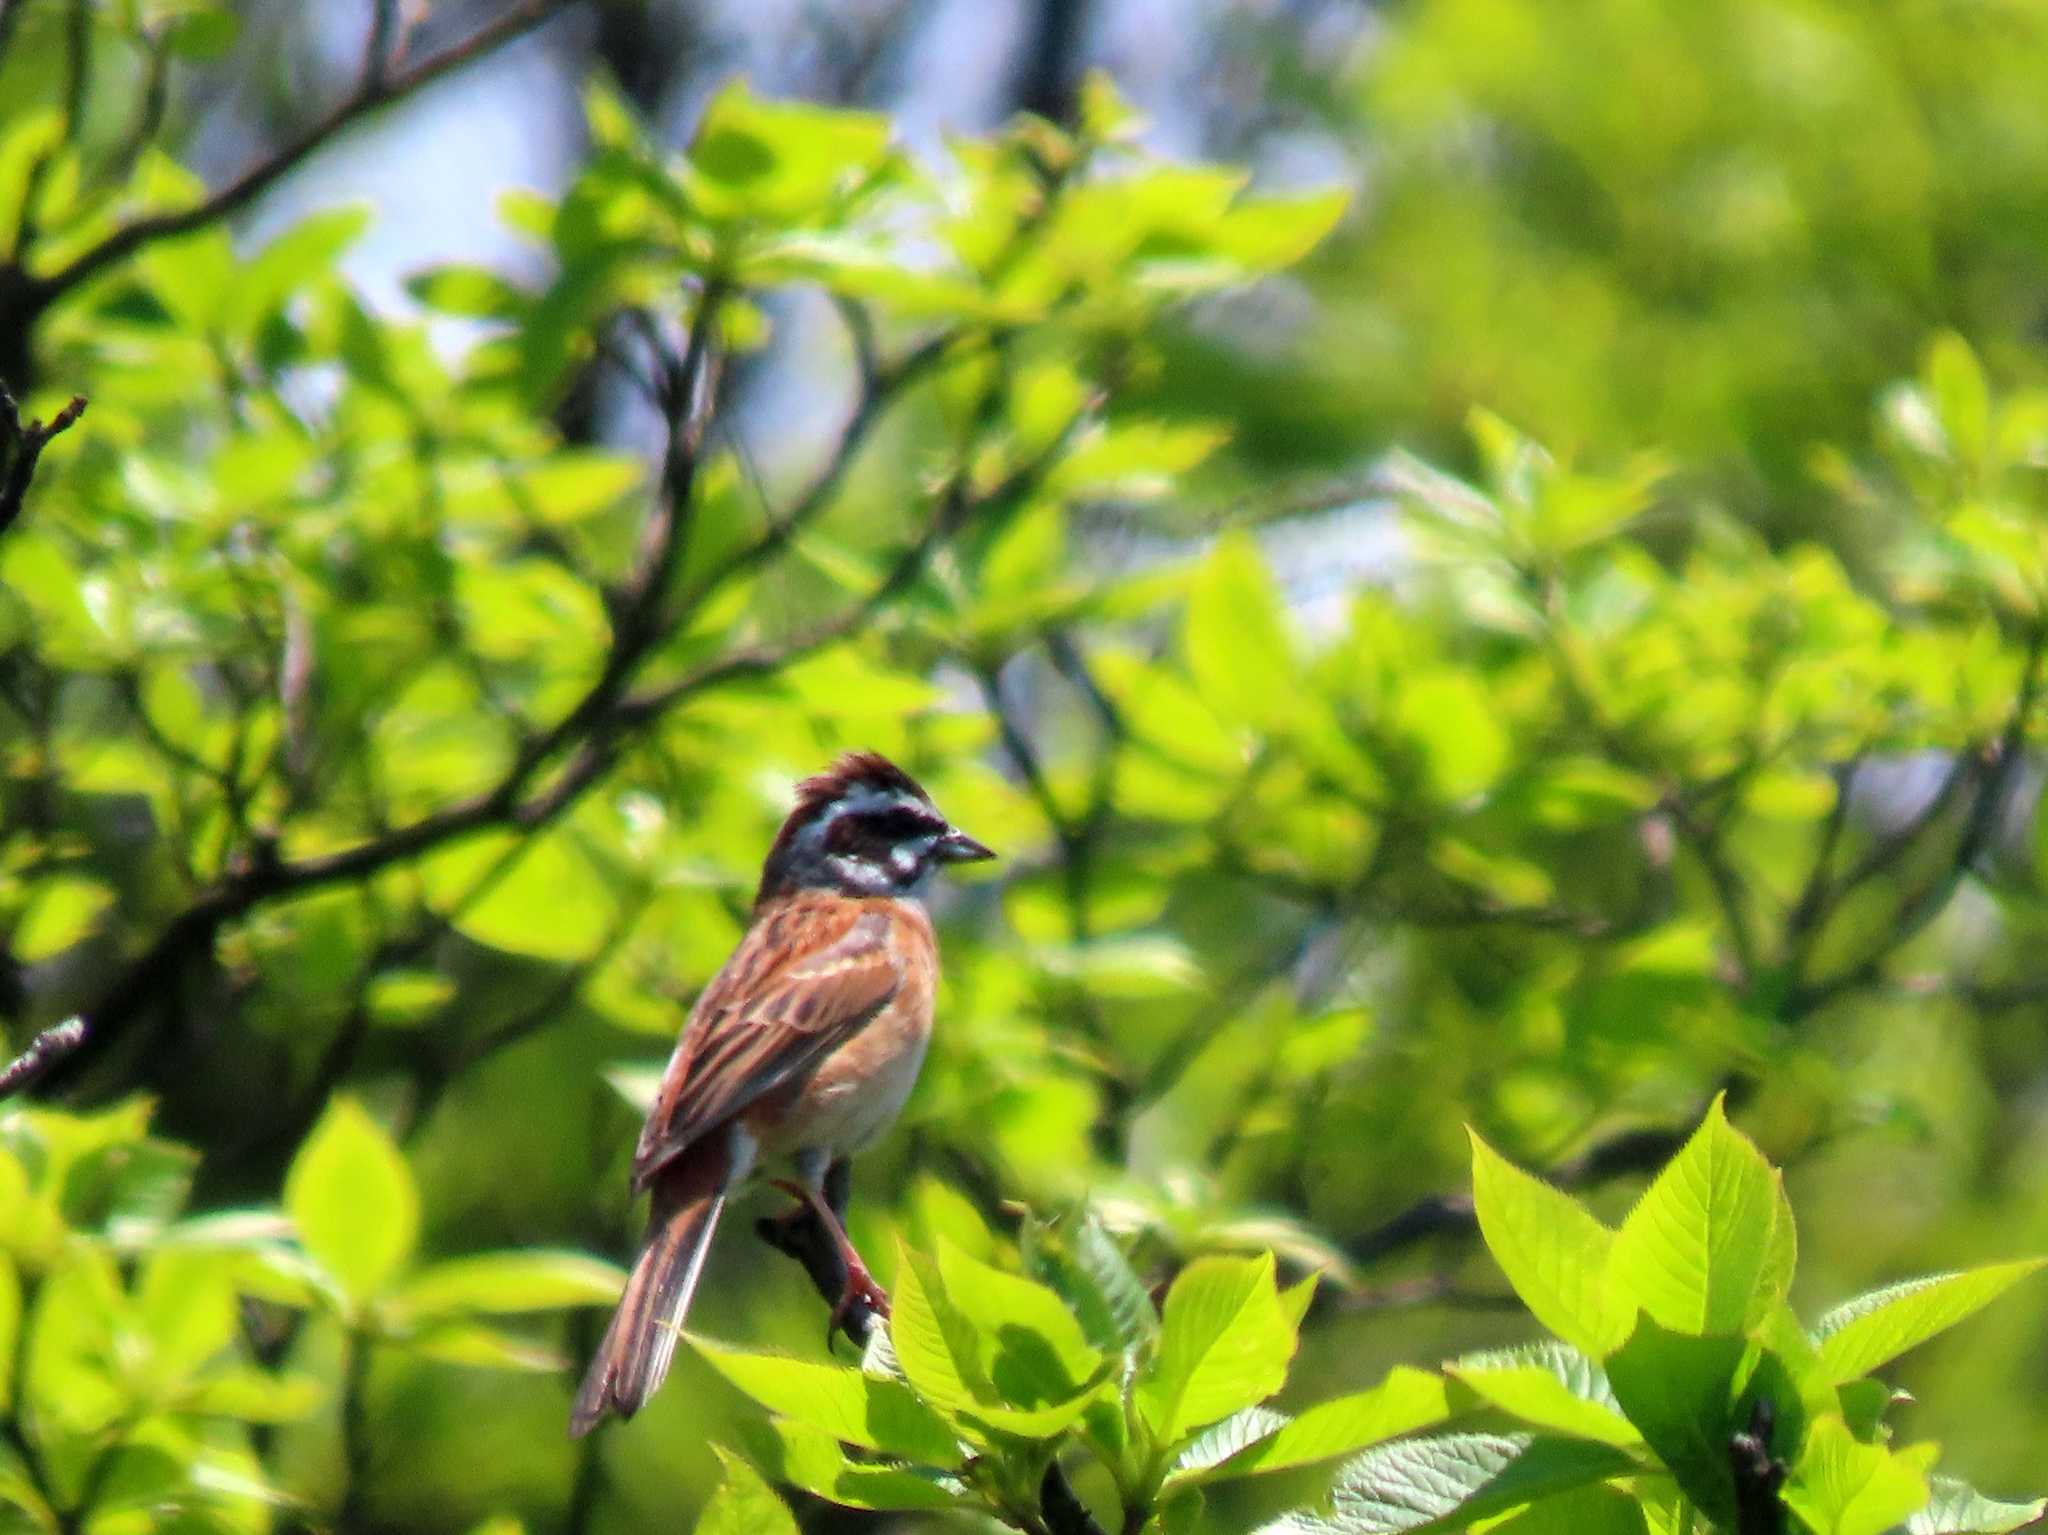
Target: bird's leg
<point>860,1288</point>
<point>838,1187</point>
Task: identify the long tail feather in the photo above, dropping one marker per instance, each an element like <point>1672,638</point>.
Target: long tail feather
<point>633,1359</point>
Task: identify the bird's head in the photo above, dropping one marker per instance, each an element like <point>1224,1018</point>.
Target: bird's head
<point>863,827</point>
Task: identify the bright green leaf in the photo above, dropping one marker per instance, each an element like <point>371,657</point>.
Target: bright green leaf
<point>1550,1386</point>
<point>1405,1401</point>
<point>744,1504</point>
<point>1553,1252</point>
<point>353,1200</point>
<point>860,1409</point>
<point>1843,1487</point>
<point>508,1283</point>
<point>1955,1508</point>
<point>1224,1344</point>
<point>1698,1251</point>
<point>1860,1335</point>
<point>1451,1480</point>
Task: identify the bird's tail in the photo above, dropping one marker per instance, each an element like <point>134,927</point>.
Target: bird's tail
<point>633,1359</point>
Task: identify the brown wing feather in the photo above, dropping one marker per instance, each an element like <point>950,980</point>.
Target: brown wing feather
<point>808,976</point>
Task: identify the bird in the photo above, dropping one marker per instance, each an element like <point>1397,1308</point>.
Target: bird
<point>803,1047</point>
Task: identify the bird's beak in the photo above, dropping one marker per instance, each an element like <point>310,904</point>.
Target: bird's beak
<point>957,847</point>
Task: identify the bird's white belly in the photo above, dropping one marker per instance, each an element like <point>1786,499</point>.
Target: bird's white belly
<point>850,1111</point>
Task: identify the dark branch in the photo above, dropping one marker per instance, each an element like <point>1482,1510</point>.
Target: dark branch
<point>554,769</point>
<point>21,446</point>
<point>1758,1474</point>
<point>1451,1214</point>
<point>43,1052</point>
<point>1994,768</point>
<point>378,86</point>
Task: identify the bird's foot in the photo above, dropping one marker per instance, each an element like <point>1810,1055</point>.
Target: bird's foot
<point>863,1292</point>
<point>860,1291</point>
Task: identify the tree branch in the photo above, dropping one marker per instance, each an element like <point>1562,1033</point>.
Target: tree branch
<point>43,1052</point>
<point>1994,768</point>
<point>376,87</point>
<point>1451,1214</point>
<point>587,740</point>
<point>21,446</point>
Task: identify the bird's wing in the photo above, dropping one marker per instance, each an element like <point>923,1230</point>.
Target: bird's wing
<point>804,980</point>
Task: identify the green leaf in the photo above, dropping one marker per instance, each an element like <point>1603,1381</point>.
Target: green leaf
<point>1454,725</point>
<point>1956,1508</point>
<point>1029,1346</point>
<point>551,903</point>
<point>1554,1254</point>
<point>255,1396</point>
<point>1843,1487</point>
<point>1236,639</point>
<point>1679,1390</point>
<point>404,999</point>
<point>470,291</point>
<point>185,1301</point>
<point>570,486</point>
<point>1859,1335</point>
<point>1405,1401</point>
<point>1597,1510</point>
<point>353,1200</point>
<point>811,1458</point>
<point>1223,1441</point>
<point>487,1348</point>
<point>508,1283</point>
<point>940,1351</point>
<point>69,1395</point>
<point>1699,1251</point>
<point>743,1504</point>
<point>1451,1480</point>
<point>1224,1344</point>
<point>1083,1262</point>
<point>10,1328</point>
<point>866,1410</point>
<point>1962,399</point>
<point>308,249</point>
<point>1551,1386</point>
<point>779,162</point>
<point>19,1491</point>
<point>60,913</point>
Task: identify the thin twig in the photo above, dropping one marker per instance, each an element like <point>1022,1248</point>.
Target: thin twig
<point>588,739</point>
<point>1994,771</point>
<point>375,88</point>
<point>1451,1214</point>
<point>21,446</point>
<point>43,1052</point>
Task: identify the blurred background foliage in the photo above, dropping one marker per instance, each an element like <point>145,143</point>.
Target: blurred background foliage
<point>1522,606</point>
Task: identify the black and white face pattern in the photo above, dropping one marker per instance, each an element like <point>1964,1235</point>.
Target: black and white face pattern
<point>871,841</point>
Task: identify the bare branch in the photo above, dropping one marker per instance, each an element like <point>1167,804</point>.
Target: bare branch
<point>21,445</point>
<point>43,1052</point>
<point>378,86</point>
<point>1994,768</point>
<point>588,739</point>
<point>1451,1214</point>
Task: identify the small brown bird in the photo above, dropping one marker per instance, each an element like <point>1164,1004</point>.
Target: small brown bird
<point>805,1045</point>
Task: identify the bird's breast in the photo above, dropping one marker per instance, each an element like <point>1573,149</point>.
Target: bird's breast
<point>857,1091</point>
